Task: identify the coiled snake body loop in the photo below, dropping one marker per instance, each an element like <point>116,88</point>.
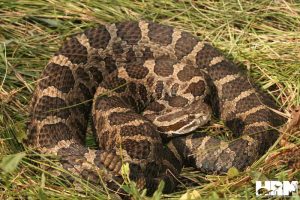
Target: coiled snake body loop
<point>148,81</point>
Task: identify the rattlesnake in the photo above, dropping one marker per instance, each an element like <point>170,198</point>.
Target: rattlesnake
<point>151,85</point>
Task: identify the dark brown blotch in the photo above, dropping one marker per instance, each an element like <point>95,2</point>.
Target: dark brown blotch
<point>248,103</point>
<point>137,149</point>
<point>164,66</point>
<point>51,106</point>
<point>196,89</point>
<point>115,83</point>
<point>205,55</point>
<point>129,32</point>
<point>185,45</point>
<point>51,134</point>
<point>104,103</point>
<point>60,77</point>
<point>143,93</point>
<point>188,72</point>
<point>74,51</point>
<point>161,34</point>
<point>234,88</point>
<point>143,129</point>
<point>98,37</point>
<point>177,101</point>
<point>136,70</point>
<point>222,69</point>
<point>119,118</point>
<point>155,106</point>
<point>263,115</point>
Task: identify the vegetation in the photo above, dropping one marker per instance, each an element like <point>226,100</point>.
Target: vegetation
<point>262,36</point>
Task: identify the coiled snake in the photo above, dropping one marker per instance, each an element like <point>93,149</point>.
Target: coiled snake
<point>149,83</point>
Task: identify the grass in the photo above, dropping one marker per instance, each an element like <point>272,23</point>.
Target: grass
<point>263,36</point>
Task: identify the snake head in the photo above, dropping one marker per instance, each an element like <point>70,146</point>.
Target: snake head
<point>183,120</point>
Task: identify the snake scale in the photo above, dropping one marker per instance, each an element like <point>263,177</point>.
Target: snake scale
<point>147,86</point>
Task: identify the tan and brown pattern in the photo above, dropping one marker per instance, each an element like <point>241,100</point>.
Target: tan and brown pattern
<point>148,82</point>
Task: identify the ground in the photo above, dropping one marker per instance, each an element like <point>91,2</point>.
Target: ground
<point>262,36</point>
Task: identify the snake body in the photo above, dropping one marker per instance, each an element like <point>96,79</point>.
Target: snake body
<point>150,85</point>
